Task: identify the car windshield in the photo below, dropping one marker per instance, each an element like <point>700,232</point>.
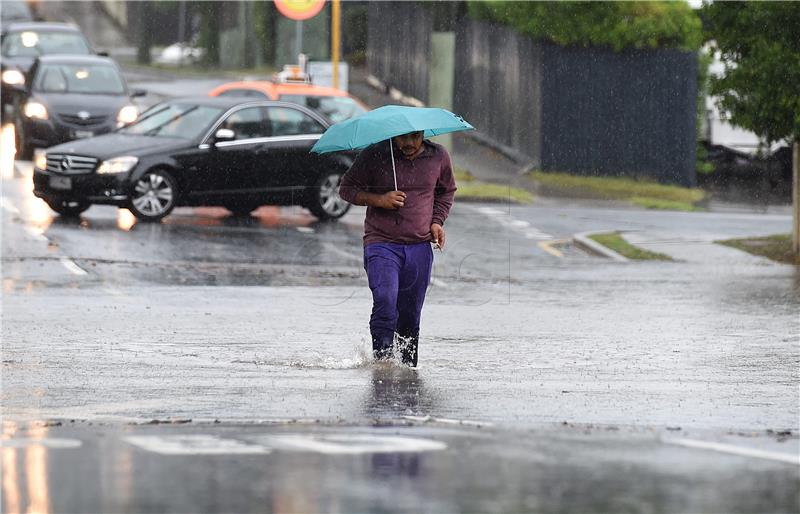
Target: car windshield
<point>32,43</point>
<point>79,78</point>
<point>187,121</point>
<point>335,108</point>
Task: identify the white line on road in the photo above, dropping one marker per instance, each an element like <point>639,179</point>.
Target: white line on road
<point>7,205</point>
<point>305,230</point>
<point>736,450</point>
<point>36,234</point>
<point>195,444</point>
<point>449,421</point>
<point>72,267</point>
<point>49,442</point>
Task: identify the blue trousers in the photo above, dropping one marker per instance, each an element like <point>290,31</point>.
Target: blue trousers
<point>398,277</point>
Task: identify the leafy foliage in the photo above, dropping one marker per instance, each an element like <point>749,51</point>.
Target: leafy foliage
<point>620,25</point>
<point>759,42</point>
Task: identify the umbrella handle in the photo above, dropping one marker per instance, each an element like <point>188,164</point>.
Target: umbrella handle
<point>394,172</point>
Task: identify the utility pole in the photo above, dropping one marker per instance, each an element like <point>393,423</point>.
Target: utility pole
<point>796,196</point>
<point>336,37</point>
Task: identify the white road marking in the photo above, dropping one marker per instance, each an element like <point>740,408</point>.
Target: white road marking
<point>521,226</point>
<point>736,450</point>
<point>36,234</point>
<point>305,230</point>
<point>354,444</point>
<point>449,421</point>
<point>537,234</point>
<point>52,442</point>
<point>7,205</point>
<point>72,267</point>
<point>199,444</point>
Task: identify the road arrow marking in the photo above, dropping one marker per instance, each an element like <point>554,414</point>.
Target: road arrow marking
<point>736,450</point>
<point>199,444</point>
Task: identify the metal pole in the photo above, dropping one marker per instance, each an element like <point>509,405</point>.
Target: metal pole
<point>298,38</point>
<point>796,198</point>
<point>336,12</point>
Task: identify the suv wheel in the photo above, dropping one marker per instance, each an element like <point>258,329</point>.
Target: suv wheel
<point>67,207</point>
<point>325,202</point>
<point>153,195</point>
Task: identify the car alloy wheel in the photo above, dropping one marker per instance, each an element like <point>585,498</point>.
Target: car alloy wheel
<point>153,196</point>
<point>328,204</point>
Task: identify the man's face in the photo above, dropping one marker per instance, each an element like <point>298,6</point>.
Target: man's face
<point>409,143</point>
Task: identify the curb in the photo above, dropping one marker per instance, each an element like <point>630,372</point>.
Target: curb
<point>583,240</point>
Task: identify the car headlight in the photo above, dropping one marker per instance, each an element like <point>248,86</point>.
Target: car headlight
<point>40,159</point>
<point>13,77</point>
<point>35,110</point>
<point>127,114</point>
<point>117,165</point>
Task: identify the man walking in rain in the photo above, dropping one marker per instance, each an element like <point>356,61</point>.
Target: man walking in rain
<point>401,223</point>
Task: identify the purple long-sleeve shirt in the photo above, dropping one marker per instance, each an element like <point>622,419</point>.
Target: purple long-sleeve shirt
<point>427,180</point>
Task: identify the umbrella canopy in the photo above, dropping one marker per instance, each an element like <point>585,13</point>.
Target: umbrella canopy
<point>387,122</point>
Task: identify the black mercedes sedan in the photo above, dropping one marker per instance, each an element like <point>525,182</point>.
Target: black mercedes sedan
<point>198,151</point>
<point>70,97</point>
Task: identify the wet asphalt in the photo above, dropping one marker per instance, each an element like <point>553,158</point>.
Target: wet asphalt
<point>557,384</point>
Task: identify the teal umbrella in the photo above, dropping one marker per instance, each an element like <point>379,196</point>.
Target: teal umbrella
<point>385,123</point>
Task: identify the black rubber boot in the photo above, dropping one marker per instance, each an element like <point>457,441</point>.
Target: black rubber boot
<point>381,351</point>
<point>408,350</point>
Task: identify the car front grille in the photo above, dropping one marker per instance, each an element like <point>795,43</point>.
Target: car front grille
<point>70,164</point>
<point>84,122</point>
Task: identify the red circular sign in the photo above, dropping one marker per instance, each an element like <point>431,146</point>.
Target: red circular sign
<point>299,9</point>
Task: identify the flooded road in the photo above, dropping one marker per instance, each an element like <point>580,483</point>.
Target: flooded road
<point>211,349</point>
<point>207,316</point>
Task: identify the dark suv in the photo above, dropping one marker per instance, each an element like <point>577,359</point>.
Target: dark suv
<point>198,151</point>
<point>70,97</point>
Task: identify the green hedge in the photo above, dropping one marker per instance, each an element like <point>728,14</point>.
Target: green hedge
<point>620,25</point>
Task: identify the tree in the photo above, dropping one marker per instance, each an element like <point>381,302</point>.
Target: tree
<point>759,42</point>
<point>619,25</point>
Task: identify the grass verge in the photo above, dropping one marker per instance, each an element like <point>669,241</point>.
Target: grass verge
<point>644,193</point>
<point>615,241</point>
<point>777,247</point>
<point>470,188</point>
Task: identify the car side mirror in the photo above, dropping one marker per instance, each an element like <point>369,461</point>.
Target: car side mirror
<point>223,135</point>
<point>138,92</point>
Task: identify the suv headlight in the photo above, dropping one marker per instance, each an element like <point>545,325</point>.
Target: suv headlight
<point>117,165</point>
<point>127,114</point>
<point>13,77</point>
<point>40,159</point>
<point>35,110</point>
